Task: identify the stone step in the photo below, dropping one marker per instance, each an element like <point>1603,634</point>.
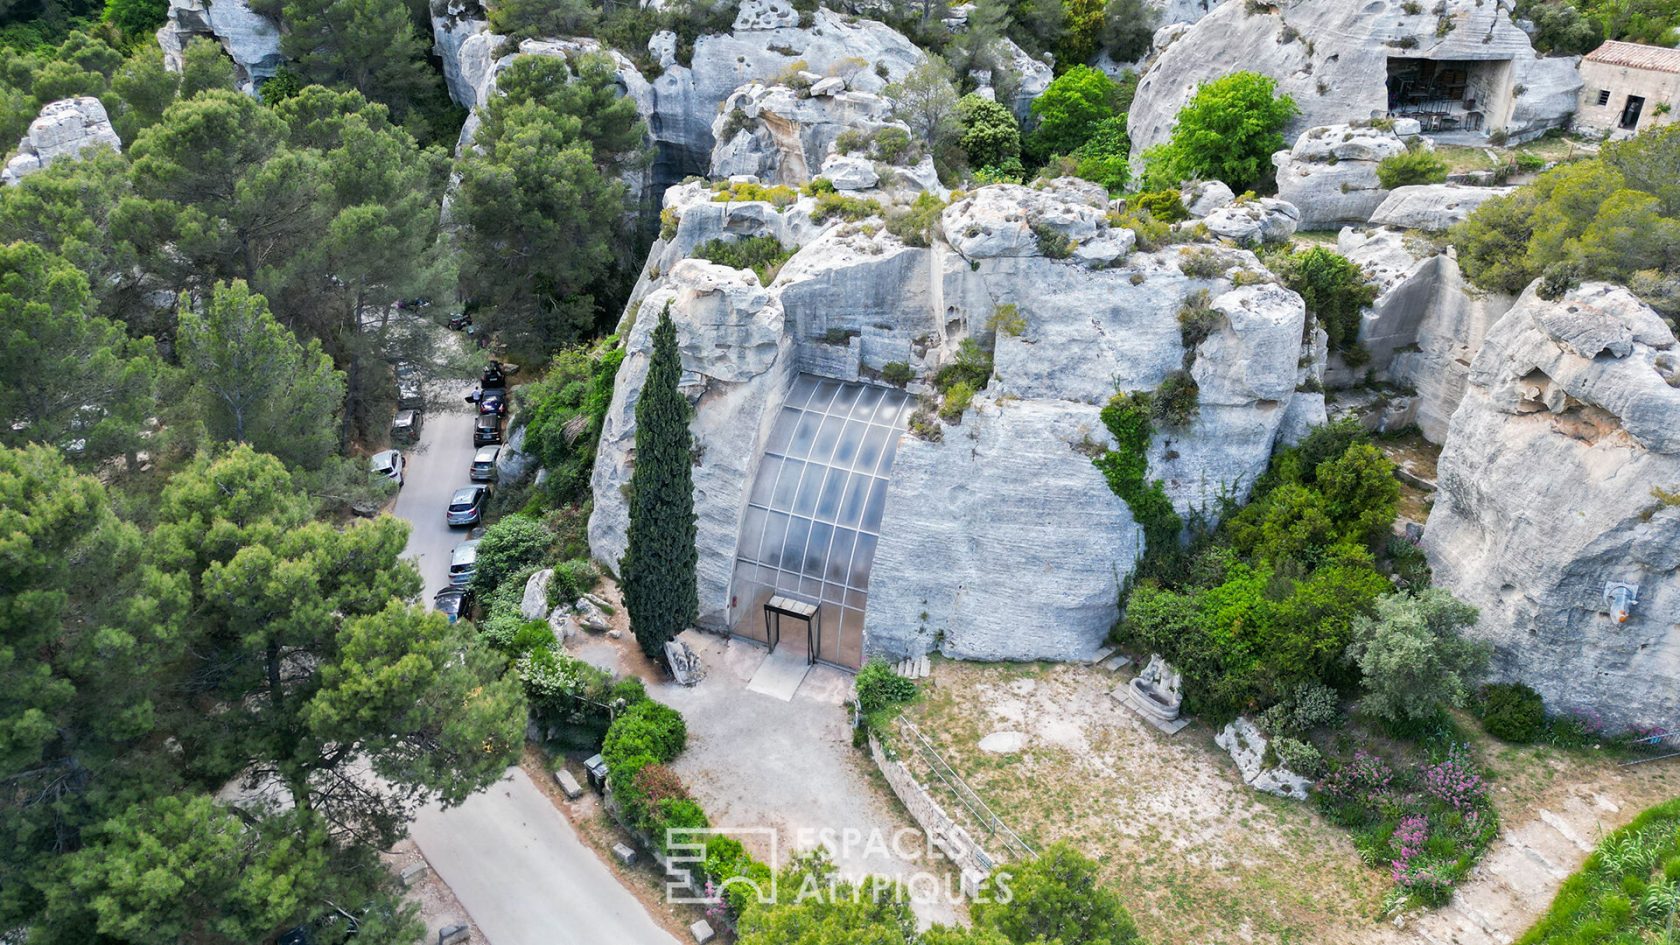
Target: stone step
<point>1118,663</point>
<point>922,668</point>
<point>1102,654</point>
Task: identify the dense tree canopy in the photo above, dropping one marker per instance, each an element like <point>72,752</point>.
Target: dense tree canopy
<point>1228,132</point>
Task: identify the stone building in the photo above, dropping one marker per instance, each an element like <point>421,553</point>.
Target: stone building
<point>1627,88</point>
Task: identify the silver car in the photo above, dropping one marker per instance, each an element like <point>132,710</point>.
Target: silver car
<point>484,464</point>
<point>466,506</point>
<point>387,464</point>
<point>463,563</point>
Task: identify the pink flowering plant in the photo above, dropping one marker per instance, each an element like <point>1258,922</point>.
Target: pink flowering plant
<point>1427,822</point>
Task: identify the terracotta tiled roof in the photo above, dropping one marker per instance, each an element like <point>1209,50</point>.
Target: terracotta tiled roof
<point>1637,56</point>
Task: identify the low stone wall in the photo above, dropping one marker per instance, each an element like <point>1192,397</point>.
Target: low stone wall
<point>955,842</point>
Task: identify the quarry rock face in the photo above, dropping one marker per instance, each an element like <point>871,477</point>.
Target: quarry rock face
<point>1551,484</point>
<point>1330,175</point>
<point>452,25</point>
<point>1254,222</point>
<point>251,40</point>
<point>1001,531</point>
<point>782,135</point>
<point>1332,57</point>
<point>1426,324</point>
<point>64,129</point>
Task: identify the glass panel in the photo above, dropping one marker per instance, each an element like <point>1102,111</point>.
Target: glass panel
<point>846,450</point>
<point>801,392</point>
<point>868,399</point>
<point>752,530</point>
<point>809,487</point>
<point>823,448</point>
<point>856,599</point>
<point>862,560</point>
<point>857,491</point>
<point>782,432</point>
<point>788,485</point>
<point>869,452</point>
<point>765,485</point>
<point>889,450</point>
<point>877,504</point>
<point>840,555</point>
<point>775,528</point>
<point>816,553</point>
<point>803,433</point>
<point>809,588</point>
<point>844,399</point>
<point>834,489</point>
<point>848,642</point>
<point>793,549</point>
<point>822,394</point>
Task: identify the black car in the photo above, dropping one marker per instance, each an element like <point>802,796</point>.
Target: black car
<point>489,401</point>
<point>460,321</point>
<point>453,602</point>
<point>487,430</point>
<point>493,376</point>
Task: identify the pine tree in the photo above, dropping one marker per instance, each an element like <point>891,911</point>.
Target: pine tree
<point>658,566</point>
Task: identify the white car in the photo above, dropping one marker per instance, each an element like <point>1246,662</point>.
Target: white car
<point>387,464</point>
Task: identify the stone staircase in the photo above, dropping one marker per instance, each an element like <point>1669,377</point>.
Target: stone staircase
<point>915,667</point>
<point>1516,880</point>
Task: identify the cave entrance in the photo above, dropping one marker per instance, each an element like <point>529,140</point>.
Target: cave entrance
<point>1447,95</point>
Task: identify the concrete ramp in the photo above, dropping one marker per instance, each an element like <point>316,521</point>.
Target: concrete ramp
<point>780,674</point>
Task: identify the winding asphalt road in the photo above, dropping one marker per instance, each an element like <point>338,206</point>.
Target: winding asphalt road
<point>513,861</point>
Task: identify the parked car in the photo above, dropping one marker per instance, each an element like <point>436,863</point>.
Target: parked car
<point>496,375</point>
<point>463,563</point>
<point>460,321</point>
<point>453,602</point>
<point>405,426</point>
<point>466,506</point>
<point>387,464</point>
<point>410,392</point>
<point>484,464</point>
<point>489,401</point>
<point>487,430</point>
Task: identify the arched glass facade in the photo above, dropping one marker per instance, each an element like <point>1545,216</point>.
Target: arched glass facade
<point>815,511</point>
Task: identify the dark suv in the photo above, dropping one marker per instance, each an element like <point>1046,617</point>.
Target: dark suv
<point>487,430</point>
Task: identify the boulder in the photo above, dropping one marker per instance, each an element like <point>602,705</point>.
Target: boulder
<point>1552,485</point>
<point>1306,410</point>
<point>513,464</point>
<point>250,39</point>
<point>1005,220</point>
<point>1254,222</point>
<point>534,604</point>
<point>1433,207</point>
<point>1330,175</point>
<point>1201,198</point>
<point>765,15</point>
<point>63,129</point>
<point>1331,57</point>
<point>1247,747</point>
<point>846,172</point>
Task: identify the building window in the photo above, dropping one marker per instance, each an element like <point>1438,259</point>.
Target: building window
<point>1603,97</point>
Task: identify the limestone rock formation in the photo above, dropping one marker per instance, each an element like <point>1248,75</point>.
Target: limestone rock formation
<point>250,39</point>
<point>1332,57</point>
<point>1552,483</point>
<point>782,135</point>
<point>64,128</point>
<point>1201,198</point>
<point>1426,325</point>
<point>1433,207</point>
<point>1044,543</point>
<point>1254,222</point>
<point>453,23</point>
<point>1330,175</point>
<point>1247,747</point>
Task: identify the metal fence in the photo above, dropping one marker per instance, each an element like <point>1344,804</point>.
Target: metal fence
<point>953,783</point>
<point>1667,744</point>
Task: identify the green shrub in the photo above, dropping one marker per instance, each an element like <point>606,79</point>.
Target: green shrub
<point>957,399</point>
<point>1412,166</point>
<point>1052,244</point>
<point>513,543</point>
<point>1069,110</point>
<point>991,136</point>
<point>842,206</point>
<point>1176,401</point>
<point>915,225</point>
<point>1165,206</point>
<point>1197,321</point>
<point>563,414</point>
<point>1334,288</point>
<point>572,579</point>
<point>1203,262</point>
<point>1007,319</point>
<point>647,729</point>
<point>1126,466</point>
<point>880,687</point>
<point>972,366</point>
<point>891,144</point>
<point>1228,131</point>
<point>897,373</point>
<point>1298,756</point>
<point>777,195</point>
<point>764,255</point>
<point>1511,712</point>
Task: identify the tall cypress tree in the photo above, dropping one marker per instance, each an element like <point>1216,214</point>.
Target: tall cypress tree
<point>658,566</point>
